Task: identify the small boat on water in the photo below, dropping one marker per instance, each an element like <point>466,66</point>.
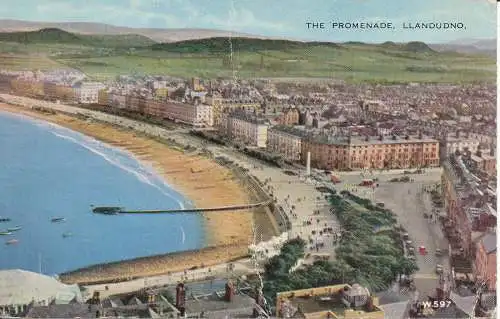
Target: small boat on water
<point>58,219</point>
<point>4,219</point>
<point>68,234</point>
<point>4,233</point>
<point>14,228</point>
<point>108,210</point>
<point>11,242</point>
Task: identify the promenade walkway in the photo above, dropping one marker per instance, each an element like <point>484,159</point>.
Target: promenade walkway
<point>225,270</point>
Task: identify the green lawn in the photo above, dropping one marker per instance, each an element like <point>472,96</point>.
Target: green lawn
<point>353,63</point>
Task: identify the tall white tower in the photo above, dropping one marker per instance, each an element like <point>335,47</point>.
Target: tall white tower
<point>308,164</point>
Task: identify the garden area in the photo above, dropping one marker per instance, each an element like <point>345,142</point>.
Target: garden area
<point>369,253</point>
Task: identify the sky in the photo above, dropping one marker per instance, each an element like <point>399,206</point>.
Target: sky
<point>275,18</point>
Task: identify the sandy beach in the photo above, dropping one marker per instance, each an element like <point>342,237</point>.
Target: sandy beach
<point>201,180</point>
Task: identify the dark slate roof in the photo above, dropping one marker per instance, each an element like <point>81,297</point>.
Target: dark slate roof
<point>489,300</point>
<point>134,301</point>
<point>230,313</point>
<point>394,304</point>
<point>216,303</point>
<point>62,311</point>
<point>82,311</point>
<point>141,311</point>
<point>396,310</point>
<point>450,312</point>
<point>466,304</point>
<point>112,303</point>
<point>490,242</point>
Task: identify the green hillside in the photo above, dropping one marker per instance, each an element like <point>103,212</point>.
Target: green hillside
<point>104,57</point>
<point>58,36</point>
<point>414,46</point>
<point>223,44</point>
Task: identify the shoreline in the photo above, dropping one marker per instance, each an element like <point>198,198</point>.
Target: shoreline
<point>198,179</point>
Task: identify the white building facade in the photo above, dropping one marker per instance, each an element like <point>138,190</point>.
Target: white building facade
<point>88,92</point>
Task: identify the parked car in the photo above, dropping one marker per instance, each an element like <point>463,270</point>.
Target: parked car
<point>439,252</point>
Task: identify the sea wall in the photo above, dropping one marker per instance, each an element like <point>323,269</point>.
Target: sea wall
<point>155,265</point>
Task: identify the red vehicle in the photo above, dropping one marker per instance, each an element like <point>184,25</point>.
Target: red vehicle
<point>422,250</point>
<point>366,182</point>
<point>335,179</point>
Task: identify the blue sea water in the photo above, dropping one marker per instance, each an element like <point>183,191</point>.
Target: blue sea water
<point>49,171</point>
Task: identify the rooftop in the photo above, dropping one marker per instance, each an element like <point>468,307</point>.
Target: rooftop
<point>359,140</point>
<point>292,130</point>
<point>215,303</point>
<point>490,242</point>
<point>247,117</point>
<point>337,299</point>
<point>88,311</point>
<point>22,287</point>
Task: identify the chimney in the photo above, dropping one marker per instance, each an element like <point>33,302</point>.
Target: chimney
<point>367,138</point>
<point>458,134</point>
<point>259,303</point>
<point>492,150</point>
<point>439,293</point>
<point>229,291</point>
<point>96,298</point>
<point>381,137</point>
<point>369,304</point>
<point>394,137</point>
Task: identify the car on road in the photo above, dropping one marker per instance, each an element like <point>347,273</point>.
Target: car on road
<point>439,252</point>
<point>406,236</point>
<point>439,269</point>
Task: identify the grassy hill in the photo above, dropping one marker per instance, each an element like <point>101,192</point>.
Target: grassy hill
<point>58,36</point>
<point>104,57</point>
<point>217,45</point>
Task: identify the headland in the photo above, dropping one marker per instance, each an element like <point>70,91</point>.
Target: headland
<point>199,179</point>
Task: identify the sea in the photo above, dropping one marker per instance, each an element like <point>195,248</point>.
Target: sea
<point>48,171</point>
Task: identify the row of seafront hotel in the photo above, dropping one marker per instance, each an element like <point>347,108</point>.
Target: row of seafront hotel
<point>333,152</point>
<point>286,139</point>
<point>289,141</point>
<point>196,114</point>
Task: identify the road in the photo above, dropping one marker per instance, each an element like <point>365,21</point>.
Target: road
<point>409,202</point>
